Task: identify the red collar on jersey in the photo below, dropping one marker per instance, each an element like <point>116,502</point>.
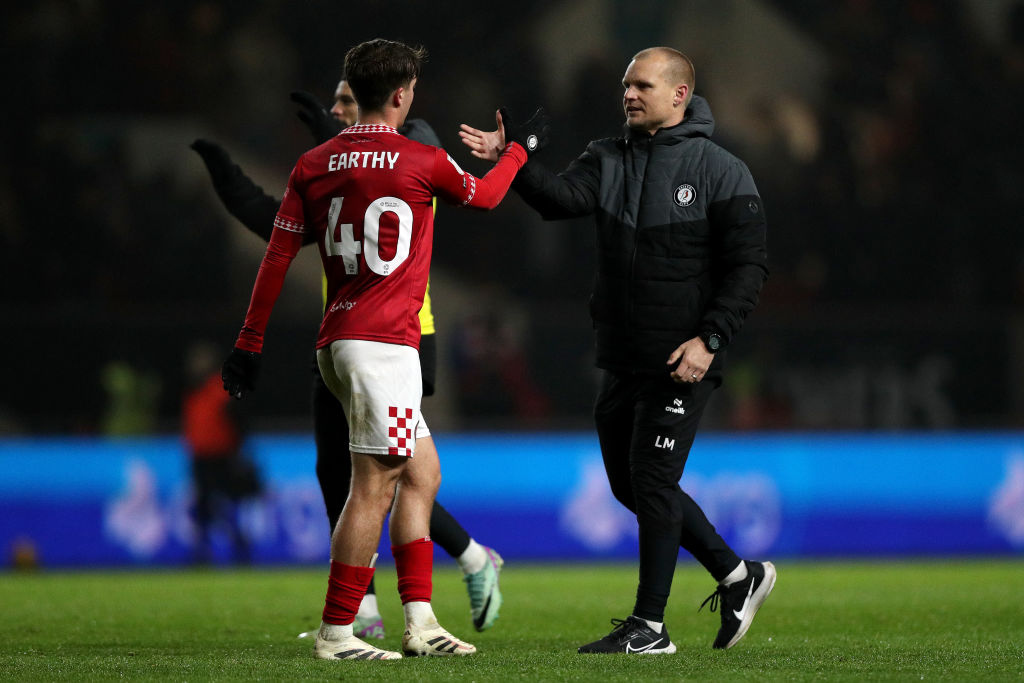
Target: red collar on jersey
<point>370,128</point>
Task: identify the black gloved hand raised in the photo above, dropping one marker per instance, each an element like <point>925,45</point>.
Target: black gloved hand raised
<point>243,198</point>
<point>240,371</point>
<point>217,161</point>
<point>532,135</point>
<point>321,123</point>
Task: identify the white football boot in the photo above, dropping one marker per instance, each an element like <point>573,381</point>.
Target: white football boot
<point>348,648</point>
<point>430,640</point>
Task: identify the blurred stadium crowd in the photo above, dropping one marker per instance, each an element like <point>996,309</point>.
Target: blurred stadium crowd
<point>887,152</point>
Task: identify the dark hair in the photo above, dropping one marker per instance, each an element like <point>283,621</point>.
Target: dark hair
<point>378,67</point>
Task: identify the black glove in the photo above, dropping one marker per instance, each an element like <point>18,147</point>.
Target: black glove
<point>240,372</point>
<point>532,135</point>
<point>243,198</point>
<point>321,123</point>
<point>217,161</point>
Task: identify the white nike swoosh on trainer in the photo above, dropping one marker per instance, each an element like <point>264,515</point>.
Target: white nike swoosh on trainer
<point>630,648</point>
<point>746,602</point>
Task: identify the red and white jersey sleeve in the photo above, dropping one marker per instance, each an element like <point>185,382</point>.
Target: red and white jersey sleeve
<point>458,187</point>
<point>285,242</point>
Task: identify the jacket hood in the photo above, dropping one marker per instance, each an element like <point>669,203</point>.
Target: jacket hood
<point>697,123</point>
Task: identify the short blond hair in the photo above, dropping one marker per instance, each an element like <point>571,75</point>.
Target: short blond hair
<point>678,67</point>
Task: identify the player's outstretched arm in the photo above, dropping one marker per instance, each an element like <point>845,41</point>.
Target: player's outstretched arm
<point>532,136</point>
<point>456,186</point>
<point>485,145</point>
<point>555,196</point>
<point>244,199</point>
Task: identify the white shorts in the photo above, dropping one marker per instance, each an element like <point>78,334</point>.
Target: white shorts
<point>380,389</point>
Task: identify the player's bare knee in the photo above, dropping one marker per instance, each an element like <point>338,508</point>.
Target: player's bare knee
<point>424,477</point>
<point>376,496</point>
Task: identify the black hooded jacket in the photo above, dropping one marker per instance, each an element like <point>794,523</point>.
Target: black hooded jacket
<point>680,236</point>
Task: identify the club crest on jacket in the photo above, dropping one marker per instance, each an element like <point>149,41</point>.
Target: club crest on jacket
<point>684,195</point>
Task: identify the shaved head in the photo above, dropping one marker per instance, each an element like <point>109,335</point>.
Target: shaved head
<point>678,69</point>
<point>658,85</point>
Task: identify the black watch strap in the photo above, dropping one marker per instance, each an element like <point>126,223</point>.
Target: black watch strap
<point>712,341</point>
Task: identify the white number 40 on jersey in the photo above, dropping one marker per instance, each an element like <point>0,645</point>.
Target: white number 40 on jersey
<point>348,248</point>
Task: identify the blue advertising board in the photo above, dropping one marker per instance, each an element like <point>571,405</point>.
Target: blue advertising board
<point>101,502</point>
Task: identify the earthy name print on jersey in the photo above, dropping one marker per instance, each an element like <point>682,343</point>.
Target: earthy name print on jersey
<point>338,162</point>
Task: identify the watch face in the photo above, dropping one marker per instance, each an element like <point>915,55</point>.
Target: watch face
<point>714,342</point>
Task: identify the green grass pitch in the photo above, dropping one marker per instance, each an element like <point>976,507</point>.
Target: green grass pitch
<point>927,620</point>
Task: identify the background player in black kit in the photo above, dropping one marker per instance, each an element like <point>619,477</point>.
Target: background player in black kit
<point>256,210</point>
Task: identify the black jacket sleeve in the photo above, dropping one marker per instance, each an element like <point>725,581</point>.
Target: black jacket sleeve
<point>569,194</point>
<point>244,199</point>
<point>740,266</point>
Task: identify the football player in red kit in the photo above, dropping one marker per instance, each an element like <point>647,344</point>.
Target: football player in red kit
<point>367,194</point>
<point>256,210</point>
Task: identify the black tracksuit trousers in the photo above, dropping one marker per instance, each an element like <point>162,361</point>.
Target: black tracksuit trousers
<point>646,425</point>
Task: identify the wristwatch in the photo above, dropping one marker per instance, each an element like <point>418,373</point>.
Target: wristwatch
<point>712,341</point>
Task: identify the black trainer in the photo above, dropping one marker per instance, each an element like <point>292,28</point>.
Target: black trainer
<point>632,636</point>
<point>738,603</point>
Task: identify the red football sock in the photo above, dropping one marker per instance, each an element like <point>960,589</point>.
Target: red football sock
<point>414,563</point>
<point>345,589</point>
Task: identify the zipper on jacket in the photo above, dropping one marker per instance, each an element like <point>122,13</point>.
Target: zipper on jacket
<point>636,234</point>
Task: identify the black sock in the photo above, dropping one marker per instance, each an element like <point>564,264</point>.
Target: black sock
<point>446,532</point>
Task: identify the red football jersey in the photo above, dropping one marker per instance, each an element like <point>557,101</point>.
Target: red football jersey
<point>368,194</point>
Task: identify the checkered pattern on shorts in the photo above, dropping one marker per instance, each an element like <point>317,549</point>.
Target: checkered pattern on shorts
<point>401,431</point>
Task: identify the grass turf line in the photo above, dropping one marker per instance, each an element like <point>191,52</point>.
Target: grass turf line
<point>959,620</point>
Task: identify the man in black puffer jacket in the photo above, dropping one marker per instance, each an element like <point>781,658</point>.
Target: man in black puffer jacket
<point>681,262</point>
